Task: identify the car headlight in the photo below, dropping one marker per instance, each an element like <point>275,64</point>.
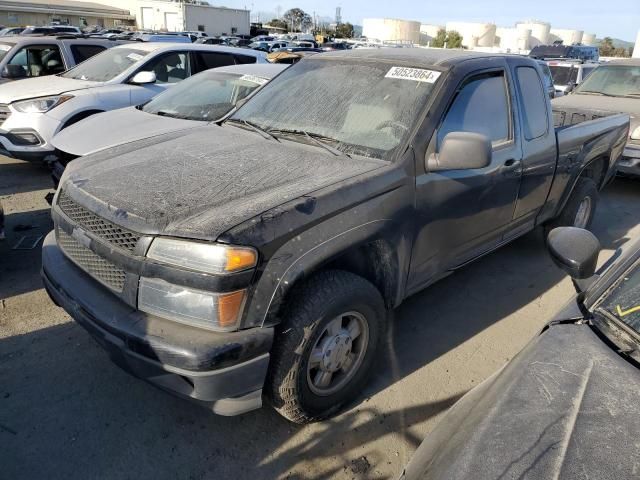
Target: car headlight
<point>213,311</point>
<point>204,257</point>
<point>40,105</point>
<point>635,135</point>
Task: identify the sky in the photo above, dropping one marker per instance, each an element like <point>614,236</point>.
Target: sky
<point>618,19</point>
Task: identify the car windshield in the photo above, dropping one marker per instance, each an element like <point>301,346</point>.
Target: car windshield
<point>563,74</point>
<point>623,302</point>
<point>205,97</point>
<point>4,49</point>
<point>106,65</point>
<point>364,108</point>
<point>613,80</point>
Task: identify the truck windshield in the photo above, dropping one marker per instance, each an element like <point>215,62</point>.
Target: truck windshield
<point>563,74</point>
<point>206,97</point>
<point>623,302</point>
<point>612,80</point>
<point>106,65</point>
<point>359,107</point>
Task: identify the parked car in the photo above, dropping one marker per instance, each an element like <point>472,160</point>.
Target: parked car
<point>154,37</point>
<point>38,31</point>
<point>566,405</point>
<point>261,257</point>
<point>34,110</point>
<point>547,78</point>
<point>61,29</point>
<point>613,87</point>
<point>567,75</point>
<point>210,41</point>
<point>578,52</point>
<point>5,32</point>
<point>208,96</point>
<point>27,57</point>
<point>260,46</point>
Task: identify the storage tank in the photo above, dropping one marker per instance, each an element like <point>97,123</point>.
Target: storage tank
<point>539,32</point>
<point>568,37</point>
<point>391,30</point>
<point>507,39</point>
<point>474,34</point>
<point>428,32</point>
<point>636,49</point>
<point>589,39</point>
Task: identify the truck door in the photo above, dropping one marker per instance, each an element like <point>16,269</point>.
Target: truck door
<point>538,146</point>
<point>464,213</point>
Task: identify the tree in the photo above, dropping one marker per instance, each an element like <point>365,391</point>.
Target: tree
<point>606,47</point>
<point>344,30</point>
<point>440,40</point>
<point>278,23</point>
<point>454,39</point>
<point>297,19</point>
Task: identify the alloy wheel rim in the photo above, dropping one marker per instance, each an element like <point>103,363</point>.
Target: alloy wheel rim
<point>338,353</point>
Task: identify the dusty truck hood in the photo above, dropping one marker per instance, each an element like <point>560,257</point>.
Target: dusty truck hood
<point>109,129</point>
<point>598,103</point>
<point>41,87</point>
<point>565,407</point>
<point>198,183</point>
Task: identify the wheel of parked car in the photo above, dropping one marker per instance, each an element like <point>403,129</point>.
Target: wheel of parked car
<point>581,206</point>
<point>325,346</point>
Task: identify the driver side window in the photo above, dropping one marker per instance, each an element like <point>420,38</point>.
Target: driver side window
<point>481,106</point>
<point>39,60</point>
<point>169,68</point>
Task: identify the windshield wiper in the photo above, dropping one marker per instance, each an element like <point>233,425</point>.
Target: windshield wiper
<point>166,113</point>
<point>592,92</point>
<point>255,127</point>
<point>315,138</point>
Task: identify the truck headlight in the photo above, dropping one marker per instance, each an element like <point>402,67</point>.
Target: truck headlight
<point>635,135</point>
<point>213,311</point>
<point>204,257</point>
<point>40,105</point>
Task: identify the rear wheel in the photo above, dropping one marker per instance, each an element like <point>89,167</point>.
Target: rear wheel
<point>325,346</point>
<point>580,208</point>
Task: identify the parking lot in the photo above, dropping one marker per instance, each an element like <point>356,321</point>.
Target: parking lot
<point>67,412</point>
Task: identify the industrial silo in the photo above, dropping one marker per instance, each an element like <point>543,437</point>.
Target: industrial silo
<point>589,39</point>
<point>568,37</point>
<point>474,34</point>
<point>391,30</point>
<point>539,32</point>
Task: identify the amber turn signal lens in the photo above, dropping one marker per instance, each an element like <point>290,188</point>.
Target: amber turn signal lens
<point>240,259</point>
<point>229,308</point>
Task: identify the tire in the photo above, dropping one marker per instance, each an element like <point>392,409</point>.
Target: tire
<point>585,190</point>
<point>328,299</point>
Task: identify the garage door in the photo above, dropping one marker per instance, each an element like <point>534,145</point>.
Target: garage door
<point>147,18</point>
<point>171,21</point>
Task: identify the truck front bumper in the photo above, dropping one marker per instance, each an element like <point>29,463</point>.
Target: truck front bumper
<point>223,371</point>
<point>629,164</point>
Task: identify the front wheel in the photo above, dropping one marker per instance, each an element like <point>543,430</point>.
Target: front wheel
<point>325,346</point>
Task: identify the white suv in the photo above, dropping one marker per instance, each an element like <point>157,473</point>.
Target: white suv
<point>32,111</point>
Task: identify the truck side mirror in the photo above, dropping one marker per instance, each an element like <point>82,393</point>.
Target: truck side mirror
<point>461,151</point>
<point>575,250</point>
<point>143,78</point>
<point>14,72</point>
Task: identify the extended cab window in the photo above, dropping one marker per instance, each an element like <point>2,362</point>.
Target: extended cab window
<point>170,68</point>
<point>82,52</point>
<point>534,103</point>
<point>38,60</point>
<point>481,106</point>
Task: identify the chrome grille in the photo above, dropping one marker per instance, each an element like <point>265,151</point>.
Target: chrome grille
<point>116,236</point>
<point>4,113</point>
<point>96,266</point>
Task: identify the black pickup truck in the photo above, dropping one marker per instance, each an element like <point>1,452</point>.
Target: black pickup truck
<point>258,258</point>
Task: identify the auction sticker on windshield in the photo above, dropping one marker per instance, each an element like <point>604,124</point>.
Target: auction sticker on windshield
<point>415,74</point>
<point>253,79</point>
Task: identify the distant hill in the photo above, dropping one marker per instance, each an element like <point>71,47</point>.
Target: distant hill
<point>618,43</point>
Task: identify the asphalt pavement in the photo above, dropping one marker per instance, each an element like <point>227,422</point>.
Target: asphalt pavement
<point>67,412</point>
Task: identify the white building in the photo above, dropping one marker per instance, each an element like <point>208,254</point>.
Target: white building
<point>391,30</point>
<point>174,16</point>
<point>636,49</point>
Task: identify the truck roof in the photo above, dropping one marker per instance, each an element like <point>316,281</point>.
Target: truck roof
<point>416,56</point>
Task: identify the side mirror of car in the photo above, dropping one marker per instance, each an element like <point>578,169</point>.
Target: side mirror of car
<point>576,251</point>
<point>143,78</point>
<point>14,72</point>
<point>570,87</point>
<point>461,151</point>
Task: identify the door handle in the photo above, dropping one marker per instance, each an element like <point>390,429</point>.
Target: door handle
<point>511,168</point>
